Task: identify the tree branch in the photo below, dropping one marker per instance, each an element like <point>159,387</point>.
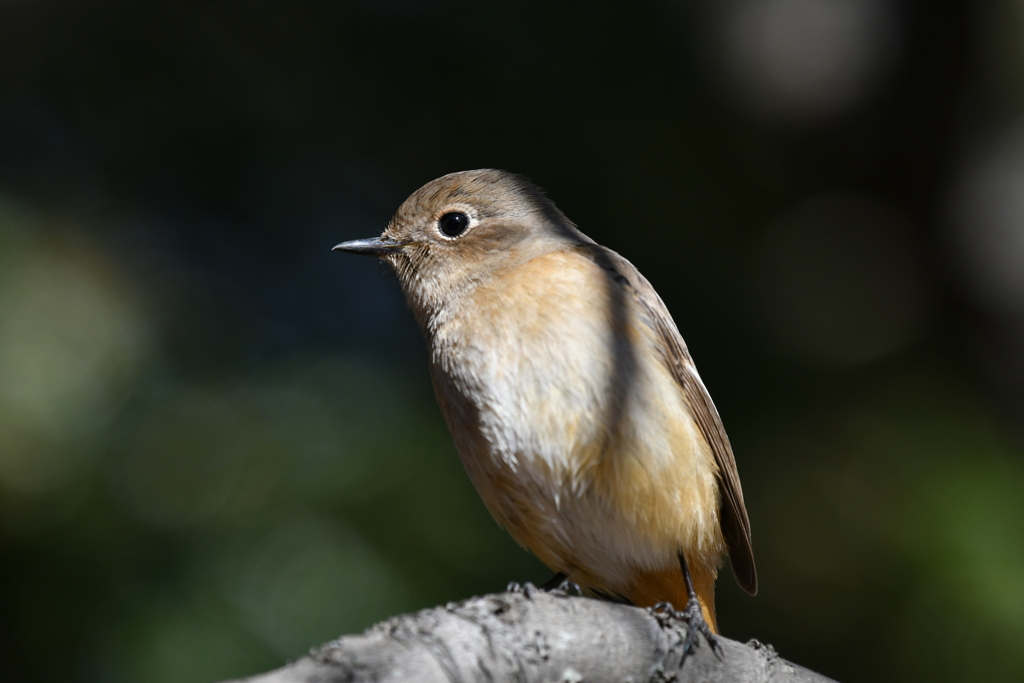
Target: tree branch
<point>531,635</point>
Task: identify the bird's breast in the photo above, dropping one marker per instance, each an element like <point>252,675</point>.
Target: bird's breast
<point>565,416</point>
<point>533,354</point>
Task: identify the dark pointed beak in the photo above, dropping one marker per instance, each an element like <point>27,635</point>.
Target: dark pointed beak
<point>374,246</point>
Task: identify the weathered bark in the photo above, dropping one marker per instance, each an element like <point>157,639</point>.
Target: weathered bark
<point>531,635</point>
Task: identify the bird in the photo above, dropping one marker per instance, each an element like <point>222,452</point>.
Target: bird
<point>570,395</point>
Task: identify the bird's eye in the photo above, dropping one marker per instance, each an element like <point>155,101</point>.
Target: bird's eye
<point>453,223</point>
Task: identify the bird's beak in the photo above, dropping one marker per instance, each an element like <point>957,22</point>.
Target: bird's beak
<point>374,246</point>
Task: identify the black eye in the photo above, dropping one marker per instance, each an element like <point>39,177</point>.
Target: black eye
<point>453,223</point>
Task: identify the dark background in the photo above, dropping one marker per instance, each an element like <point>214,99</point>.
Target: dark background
<point>218,442</point>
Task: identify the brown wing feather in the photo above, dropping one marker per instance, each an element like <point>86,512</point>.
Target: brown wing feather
<point>735,524</point>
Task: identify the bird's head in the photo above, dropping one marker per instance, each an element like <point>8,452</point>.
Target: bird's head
<point>464,228</point>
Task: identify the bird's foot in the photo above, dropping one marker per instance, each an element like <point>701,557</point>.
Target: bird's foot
<point>554,582</point>
<point>558,586</point>
<point>563,589</point>
<point>528,590</point>
<point>695,624</point>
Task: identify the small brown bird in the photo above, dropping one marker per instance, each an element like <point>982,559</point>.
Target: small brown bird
<point>570,395</point>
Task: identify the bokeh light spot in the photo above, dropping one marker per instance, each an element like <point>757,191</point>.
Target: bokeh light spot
<point>987,222</point>
<point>307,579</point>
<point>839,282</point>
<point>199,455</point>
<point>806,59</point>
<point>71,341</point>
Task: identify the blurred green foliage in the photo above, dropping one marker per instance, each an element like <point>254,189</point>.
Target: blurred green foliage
<point>218,442</point>
<point>239,519</point>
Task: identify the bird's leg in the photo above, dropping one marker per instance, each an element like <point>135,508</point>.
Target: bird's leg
<point>693,615</point>
<point>559,585</point>
<point>554,582</point>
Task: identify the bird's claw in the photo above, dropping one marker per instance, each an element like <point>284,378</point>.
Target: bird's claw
<point>562,589</point>
<point>527,589</point>
<point>695,624</point>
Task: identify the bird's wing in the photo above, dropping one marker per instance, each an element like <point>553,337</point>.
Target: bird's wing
<point>735,524</point>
